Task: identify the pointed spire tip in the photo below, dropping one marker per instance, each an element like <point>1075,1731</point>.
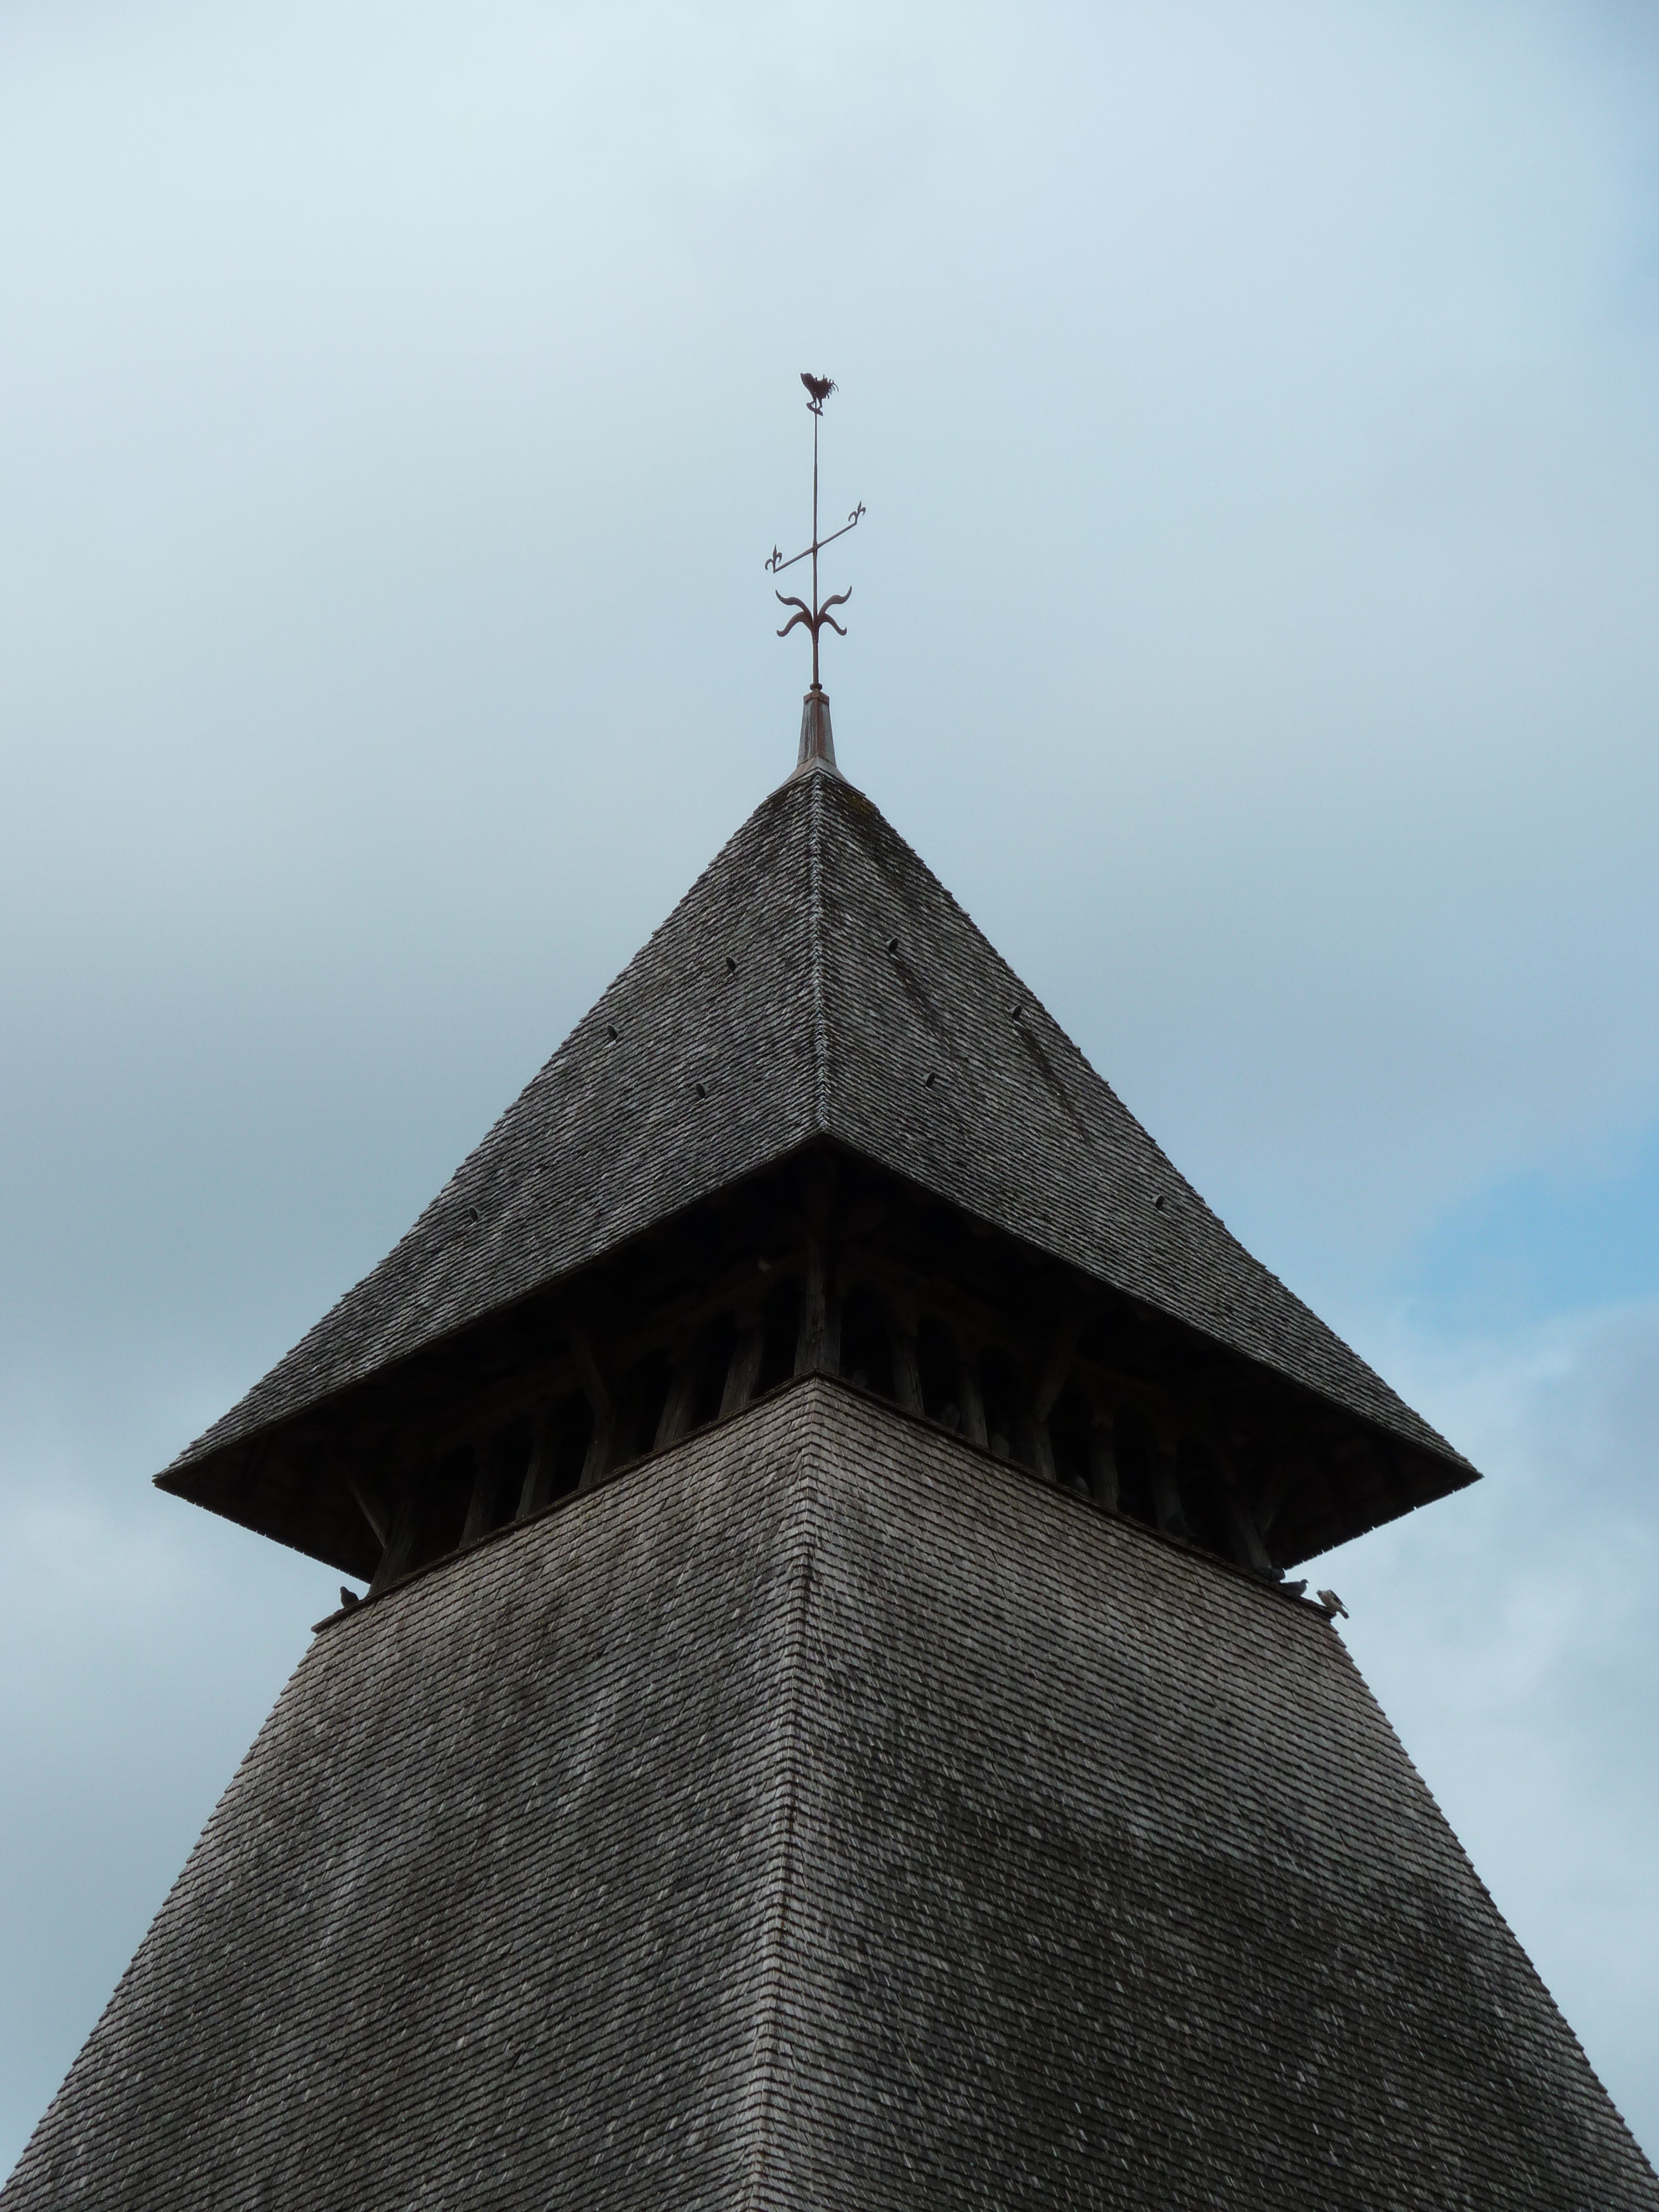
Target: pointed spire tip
<point>818,741</point>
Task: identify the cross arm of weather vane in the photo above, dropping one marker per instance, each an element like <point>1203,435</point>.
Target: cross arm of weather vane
<point>776,563</point>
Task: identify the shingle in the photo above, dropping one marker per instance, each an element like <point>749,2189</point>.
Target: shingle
<point>824,1815</point>
<point>813,969</point>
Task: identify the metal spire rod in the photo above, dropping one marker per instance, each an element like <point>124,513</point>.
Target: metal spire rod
<point>813,618</point>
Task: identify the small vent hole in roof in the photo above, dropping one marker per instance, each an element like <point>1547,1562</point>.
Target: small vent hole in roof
<point>1015,1012</point>
<point>731,965</point>
<point>1159,1201</point>
<point>611,1031</point>
<point>931,1078</point>
<point>892,945</point>
<point>702,1092</point>
<point>472,1213</point>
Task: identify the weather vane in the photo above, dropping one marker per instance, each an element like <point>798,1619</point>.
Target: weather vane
<point>818,389</point>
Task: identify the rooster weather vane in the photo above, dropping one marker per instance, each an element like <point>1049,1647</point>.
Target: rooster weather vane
<point>818,389</point>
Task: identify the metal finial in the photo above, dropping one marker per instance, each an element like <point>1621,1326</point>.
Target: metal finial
<point>818,389</point>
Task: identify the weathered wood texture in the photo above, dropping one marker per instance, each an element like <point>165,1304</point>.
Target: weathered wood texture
<point>821,1815</point>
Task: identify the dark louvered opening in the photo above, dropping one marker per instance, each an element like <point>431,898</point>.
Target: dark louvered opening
<point>937,1366</point>
<point>643,1396</point>
<point>782,1316</point>
<point>866,1357</point>
<point>438,1508</point>
<point>710,1362</point>
<point>1070,1427</point>
<point>1134,1465</point>
<point>1201,1498</point>
<point>825,1266</point>
<point>998,1383</point>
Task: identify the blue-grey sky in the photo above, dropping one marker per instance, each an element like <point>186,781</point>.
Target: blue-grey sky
<point>1255,402</point>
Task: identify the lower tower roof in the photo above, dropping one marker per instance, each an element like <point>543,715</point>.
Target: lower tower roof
<point>823,1815</point>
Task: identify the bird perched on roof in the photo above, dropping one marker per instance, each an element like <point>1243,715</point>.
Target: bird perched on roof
<point>349,1598</point>
<point>1332,1605</point>
<point>819,387</point>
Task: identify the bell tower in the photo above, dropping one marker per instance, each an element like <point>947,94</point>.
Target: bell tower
<point>835,1722</point>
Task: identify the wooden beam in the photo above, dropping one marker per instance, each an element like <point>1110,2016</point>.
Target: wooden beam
<point>902,1350</point>
<point>1248,1548</point>
<point>1244,1534</point>
<point>401,1537</point>
<point>541,1467</point>
<point>812,1339</point>
<point>1040,1450</point>
<point>817,1343</point>
<point>982,1323</point>
<point>1056,1367</point>
<point>970,1396</point>
<point>423,1436</point>
<point>679,1406</point>
<point>1051,1381</point>
<point>1166,1490</point>
<point>688,1316</point>
<point>372,1508</point>
<point>1273,1493</point>
<point>1102,1463</point>
<point>936,1294</point>
<point>602,1401</point>
<point>742,1373</point>
<point>486,1480</point>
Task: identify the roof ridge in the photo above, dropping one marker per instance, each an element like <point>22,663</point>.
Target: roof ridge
<point>774,1911</point>
<point>814,931</point>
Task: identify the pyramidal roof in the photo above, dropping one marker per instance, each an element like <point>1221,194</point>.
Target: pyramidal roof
<point>817,982</point>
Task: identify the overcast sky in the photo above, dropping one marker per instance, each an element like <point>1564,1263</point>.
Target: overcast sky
<point>1253,625</point>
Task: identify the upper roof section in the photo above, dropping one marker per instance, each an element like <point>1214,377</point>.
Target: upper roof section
<point>817,982</point>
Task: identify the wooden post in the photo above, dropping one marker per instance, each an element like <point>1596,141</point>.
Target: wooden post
<point>817,1342</point>
<point>1103,1462</point>
<point>748,1357</point>
<point>1273,1493</point>
<point>1039,1444</point>
<point>402,1537</point>
<point>1248,1548</point>
<point>907,1366</point>
<point>810,1338</point>
<point>970,1397</point>
<point>1166,1489</point>
<point>541,1467</point>
<point>817,1345</point>
<point>1040,1449</point>
<point>481,1505</point>
<point>369,1506</point>
<point>603,1400</point>
<point>681,1403</point>
<point>1051,1381</point>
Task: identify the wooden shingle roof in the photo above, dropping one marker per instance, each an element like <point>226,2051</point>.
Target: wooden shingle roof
<point>817,982</point>
<point>822,1815</point>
